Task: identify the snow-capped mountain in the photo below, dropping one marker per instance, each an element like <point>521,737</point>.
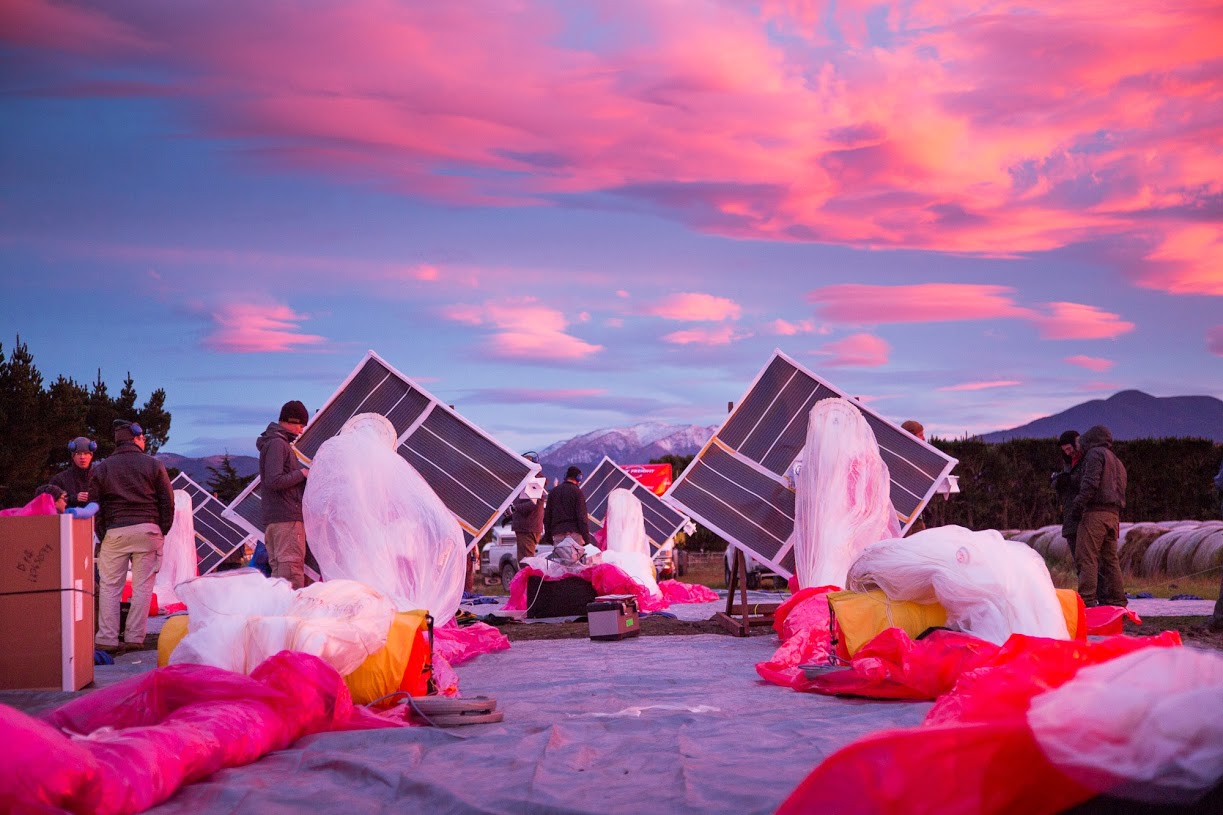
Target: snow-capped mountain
<point>624,445</point>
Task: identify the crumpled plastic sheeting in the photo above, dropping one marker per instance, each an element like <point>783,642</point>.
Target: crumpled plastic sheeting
<point>458,645</point>
<point>679,593</point>
<point>1108,621</point>
<point>240,618</point>
<point>989,586</point>
<point>627,544</point>
<point>606,579</point>
<point>127,747</point>
<point>1146,726</point>
<point>965,758</point>
<point>42,504</point>
<point>842,500</point>
<point>802,624</point>
<point>178,557</point>
<point>372,518</point>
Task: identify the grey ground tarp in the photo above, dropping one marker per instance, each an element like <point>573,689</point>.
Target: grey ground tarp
<point>657,724</point>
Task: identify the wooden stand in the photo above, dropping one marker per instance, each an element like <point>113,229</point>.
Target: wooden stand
<point>739,618</point>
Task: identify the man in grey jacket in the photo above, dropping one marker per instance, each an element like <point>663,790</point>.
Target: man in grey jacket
<point>282,485</point>
<point>137,509</point>
<point>1098,505</point>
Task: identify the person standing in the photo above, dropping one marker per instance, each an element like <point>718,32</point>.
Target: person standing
<point>1098,505</point>
<point>75,479</point>
<point>1066,485</point>
<point>282,485</point>
<point>914,428</point>
<point>565,511</point>
<point>527,521</point>
<point>137,509</point>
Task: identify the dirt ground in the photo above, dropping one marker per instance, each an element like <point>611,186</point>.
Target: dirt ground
<point>1193,630</point>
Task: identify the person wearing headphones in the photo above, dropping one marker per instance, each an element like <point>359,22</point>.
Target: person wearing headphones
<point>565,513</point>
<point>137,509</point>
<point>75,479</point>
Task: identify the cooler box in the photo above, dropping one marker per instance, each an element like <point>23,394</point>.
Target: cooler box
<point>567,597</point>
<point>46,602</point>
<point>613,617</point>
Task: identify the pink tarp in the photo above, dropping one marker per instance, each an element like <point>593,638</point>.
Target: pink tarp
<point>457,645</point>
<point>125,748</point>
<point>609,579</point>
<point>42,504</point>
<point>1108,621</point>
<point>964,759</point>
<point>802,624</point>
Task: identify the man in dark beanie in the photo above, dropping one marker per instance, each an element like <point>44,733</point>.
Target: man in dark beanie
<point>1098,505</point>
<point>75,479</point>
<point>282,485</point>
<point>565,513</point>
<point>137,509</point>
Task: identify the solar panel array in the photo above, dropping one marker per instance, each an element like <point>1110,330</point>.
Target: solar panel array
<point>216,537</point>
<point>737,487</point>
<point>661,520</point>
<point>473,474</point>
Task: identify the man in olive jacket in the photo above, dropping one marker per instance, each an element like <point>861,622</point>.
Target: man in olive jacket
<point>282,480</point>
<point>136,510</point>
<point>1098,505</point>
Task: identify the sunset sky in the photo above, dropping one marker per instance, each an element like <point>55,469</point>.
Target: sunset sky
<point>563,216</point>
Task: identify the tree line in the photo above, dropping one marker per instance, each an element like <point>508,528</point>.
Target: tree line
<point>37,420</point>
<point>1006,485</point>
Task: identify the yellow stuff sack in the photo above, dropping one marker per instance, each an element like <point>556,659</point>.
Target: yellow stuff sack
<point>859,616</point>
<point>172,632</point>
<point>382,672</point>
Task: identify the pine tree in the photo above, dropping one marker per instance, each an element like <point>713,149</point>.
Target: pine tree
<point>225,482</point>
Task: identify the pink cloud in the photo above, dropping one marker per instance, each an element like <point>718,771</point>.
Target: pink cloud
<point>856,350</point>
<point>719,335</point>
<point>1075,321</point>
<point>981,386</point>
<point>963,127</point>
<point>1214,340</point>
<point>786,328</point>
<point>247,328</point>
<point>1096,364</point>
<point>921,303</point>
<point>691,306</point>
<point>522,329</point>
<point>425,271</point>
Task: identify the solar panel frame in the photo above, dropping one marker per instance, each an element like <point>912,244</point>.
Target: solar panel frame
<point>216,536</point>
<point>662,521</point>
<point>736,484</point>
<point>474,475</point>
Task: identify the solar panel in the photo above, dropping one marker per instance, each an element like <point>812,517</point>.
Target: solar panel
<point>737,487</point>
<point>662,521</point>
<point>474,475</point>
<point>216,537</point>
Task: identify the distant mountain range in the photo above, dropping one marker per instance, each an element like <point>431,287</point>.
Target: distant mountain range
<point>1130,415</point>
<point>624,445</point>
<point>197,468</point>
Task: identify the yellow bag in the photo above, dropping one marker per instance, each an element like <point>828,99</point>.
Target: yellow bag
<point>859,616</point>
<point>171,633</point>
<point>382,672</point>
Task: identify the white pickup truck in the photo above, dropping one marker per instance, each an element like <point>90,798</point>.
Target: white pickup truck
<point>499,558</point>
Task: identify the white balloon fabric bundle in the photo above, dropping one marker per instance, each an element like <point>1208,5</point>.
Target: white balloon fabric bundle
<point>178,556</point>
<point>989,586</point>
<point>843,494</point>
<point>627,545</point>
<point>371,517</point>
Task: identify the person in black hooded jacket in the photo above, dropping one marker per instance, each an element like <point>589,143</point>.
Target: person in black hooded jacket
<point>1066,485</point>
<point>282,485</point>
<point>1098,505</point>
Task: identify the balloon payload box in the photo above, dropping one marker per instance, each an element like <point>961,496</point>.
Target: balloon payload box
<point>613,617</point>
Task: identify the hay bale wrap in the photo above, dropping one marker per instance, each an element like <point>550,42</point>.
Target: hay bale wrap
<point>1155,561</point>
<point>1209,554</point>
<point>1043,538</point>
<point>1133,545</point>
<point>1180,556</point>
<point>1059,550</point>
